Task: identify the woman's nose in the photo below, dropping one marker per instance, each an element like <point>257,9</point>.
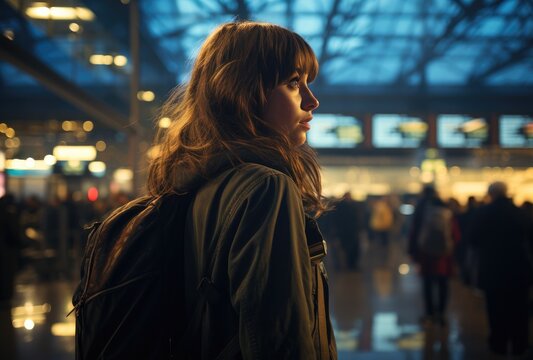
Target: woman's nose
<point>309,101</point>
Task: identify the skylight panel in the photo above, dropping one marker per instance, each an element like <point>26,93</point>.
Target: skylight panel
<point>346,45</point>
<point>434,25</point>
<point>383,25</point>
<point>388,69</point>
<point>309,24</point>
<point>491,26</point>
<point>389,6</point>
<point>190,6</point>
<point>441,73</point>
<point>201,29</point>
<point>310,6</point>
<point>507,7</point>
<point>273,6</point>
<point>404,26</point>
<point>520,74</point>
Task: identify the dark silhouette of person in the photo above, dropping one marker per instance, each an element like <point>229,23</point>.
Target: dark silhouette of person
<point>502,236</point>
<point>435,268</point>
<point>465,254</point>
<point>9,248</point>
<point>348,226</point>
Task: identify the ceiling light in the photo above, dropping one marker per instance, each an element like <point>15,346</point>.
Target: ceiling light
<point>81,153</point>
<point>100,145</point>
<point>49,159</point>
<point>97,167</point>
<point>120,60</point>
<point>74,27</point>
<point>122,175</point>
<point>147,96</point>
<point>88,126</point>
<point>99,59</point>
<point>10,132</point>
<point>42,12</point>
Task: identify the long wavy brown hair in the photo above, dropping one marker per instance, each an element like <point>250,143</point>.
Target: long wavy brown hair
<point>219,109</point>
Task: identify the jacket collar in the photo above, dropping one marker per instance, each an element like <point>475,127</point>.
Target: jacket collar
<point>191,179</point>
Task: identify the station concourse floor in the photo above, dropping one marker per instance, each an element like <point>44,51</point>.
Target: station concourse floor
<point>375,312</point>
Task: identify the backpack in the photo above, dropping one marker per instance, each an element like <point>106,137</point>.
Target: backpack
<point>130,302</point>
<point>435,237</point>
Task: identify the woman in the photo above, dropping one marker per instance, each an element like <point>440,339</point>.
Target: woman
<point>237,140</point>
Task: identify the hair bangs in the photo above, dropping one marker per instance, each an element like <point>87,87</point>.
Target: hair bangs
<point>305,59</point>
<point>287,53</point>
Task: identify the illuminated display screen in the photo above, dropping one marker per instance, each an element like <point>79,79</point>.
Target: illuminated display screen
<point>335,131</point>
<point>398,131</point>
<point>516,131</point>
<point>461,131</point>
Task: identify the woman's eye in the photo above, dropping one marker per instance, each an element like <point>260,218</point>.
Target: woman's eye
<point>294,83</point>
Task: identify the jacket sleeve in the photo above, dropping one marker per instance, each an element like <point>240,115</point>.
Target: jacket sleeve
<point>270,273</point>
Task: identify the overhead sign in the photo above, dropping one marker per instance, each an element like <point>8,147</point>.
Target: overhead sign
<point>80,153</point>
<point>398,131</point>
<point>461,131</point>
<point>335,131</point>
<point>516,131</point>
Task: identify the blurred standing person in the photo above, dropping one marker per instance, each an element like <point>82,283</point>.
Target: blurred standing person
<point>457,213</point>
<point>348,228</point>
<point>9,249</point>
<point>501,234</point>
<point>432,238</point>
<point>381,221</point>
<point>467,257</point>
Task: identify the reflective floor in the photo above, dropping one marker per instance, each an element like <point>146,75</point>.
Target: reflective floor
<point>376,313</point>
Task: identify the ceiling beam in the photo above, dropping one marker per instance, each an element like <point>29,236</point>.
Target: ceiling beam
<point>28,63</point>
<point>511,59</point>
<point>438,47</point>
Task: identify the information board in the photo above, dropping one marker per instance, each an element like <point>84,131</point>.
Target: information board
<point>516,131</point>
<point>461,131</point>
<point>335,131</point>
<point>398,131</point>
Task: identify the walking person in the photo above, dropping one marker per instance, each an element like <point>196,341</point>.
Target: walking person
<point>237,143</point>
<point>433,236</point>
<point>502,236</point>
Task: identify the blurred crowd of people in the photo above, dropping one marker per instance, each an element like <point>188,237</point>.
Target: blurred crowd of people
<point>487,244</point>
<point>46,236</point>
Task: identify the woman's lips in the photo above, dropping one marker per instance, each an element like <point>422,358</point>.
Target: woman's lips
<point>305,124</point>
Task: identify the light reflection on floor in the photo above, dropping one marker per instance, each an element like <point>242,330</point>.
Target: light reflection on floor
<point>375,313</point>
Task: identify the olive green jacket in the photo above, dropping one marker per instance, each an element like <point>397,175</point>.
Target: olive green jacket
<point>247,233</point>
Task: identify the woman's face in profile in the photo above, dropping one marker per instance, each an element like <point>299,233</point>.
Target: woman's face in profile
<point>289,108</point>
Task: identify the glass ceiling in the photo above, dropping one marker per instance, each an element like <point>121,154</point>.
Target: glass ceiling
<point>371,42</point>
<point>362,45</point>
